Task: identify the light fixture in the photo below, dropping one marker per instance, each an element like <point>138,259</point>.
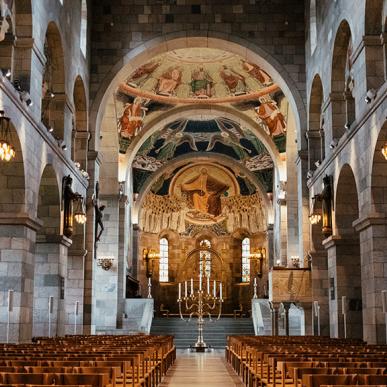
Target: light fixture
<point>309,174</point>
<point>347,125</point>
<point>7,151</point>
<point>384,150</point>
<point>105,263</point>
<point>77,164</point>
<point>258,255</point>
<point>371,94</point>
<point>79,213</point>
<point>7,73</point>
<point>314,218</point>
<point>333,143</point>
<point>317,163</point>
<point>64,147</point>
<point>50,129</point>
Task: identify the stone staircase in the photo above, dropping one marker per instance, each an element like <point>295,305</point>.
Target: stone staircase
<point>215,332</point>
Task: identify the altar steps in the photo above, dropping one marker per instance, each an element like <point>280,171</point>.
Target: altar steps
<point>215,332</point>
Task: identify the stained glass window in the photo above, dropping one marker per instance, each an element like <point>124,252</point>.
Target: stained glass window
<point>163,262</point>
<point>246,260</point>
<point>205,258</point>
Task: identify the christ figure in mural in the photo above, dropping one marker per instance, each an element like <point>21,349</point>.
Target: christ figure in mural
<point>205,192</point>
<point>201,83</point>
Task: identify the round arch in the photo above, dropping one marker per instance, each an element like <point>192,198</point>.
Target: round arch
<point>200,157</point>
<point>379,174</point>
<point>164,119</point>
<point>163,44</point>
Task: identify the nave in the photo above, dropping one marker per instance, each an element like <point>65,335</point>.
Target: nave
<point>201,369</point>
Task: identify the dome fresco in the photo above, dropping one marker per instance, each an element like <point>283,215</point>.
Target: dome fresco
<point>199,76</point>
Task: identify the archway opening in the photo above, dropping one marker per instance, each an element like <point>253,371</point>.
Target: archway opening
<point>80,134</point>
<point>342,82</point>
<point>53,83</point>
<point>347,270</point>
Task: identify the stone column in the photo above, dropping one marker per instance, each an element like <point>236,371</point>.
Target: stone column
<point>320,289</point>
<point>283,253</point>
<point>106,281</point>
<point>344,273</point>
<point>303,205</point>
<point>49,281</point>
<point>383,39</point>
<point>17,247</point>
<point>94,163</point>
<point>122,258</point>
<point>270,244</point>
<point>373,247</point>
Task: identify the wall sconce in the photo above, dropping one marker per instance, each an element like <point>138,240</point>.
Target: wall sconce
<point>314,218</point>
<point>149,255</point>
<point>258,255</point>
<point>105,263</point>
<point>80,213</point>
<point>384,150</point>
<point>7,151</point>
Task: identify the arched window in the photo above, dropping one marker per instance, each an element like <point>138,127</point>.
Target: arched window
<point>163,268</point>
<point>83,40</point>
<point>246,260</point>
<point>205,258</point>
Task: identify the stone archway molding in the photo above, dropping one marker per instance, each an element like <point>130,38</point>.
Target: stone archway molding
<point>162,44</point>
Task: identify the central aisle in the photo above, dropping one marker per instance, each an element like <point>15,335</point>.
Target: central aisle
<point>201,369</point>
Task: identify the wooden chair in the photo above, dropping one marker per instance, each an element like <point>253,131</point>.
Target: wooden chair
<point>238,312</point>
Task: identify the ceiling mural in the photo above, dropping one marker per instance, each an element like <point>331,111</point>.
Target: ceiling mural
<point>218,135</point>
<point>198,76</point>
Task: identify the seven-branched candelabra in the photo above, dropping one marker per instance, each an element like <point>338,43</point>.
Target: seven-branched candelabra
<point>199,303</point>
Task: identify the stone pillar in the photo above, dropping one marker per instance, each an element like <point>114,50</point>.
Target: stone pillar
<point>344,273</point>
<point>49,281</point>
<point>94,163</point>
<point>383,39</point>
<point>308,315</point>
<point>373,247</point>
<point>17,245</point>
<point>74,290</point>
<point>270,245</point>
<point>283,231</point>
<point>320,290</point>
<point>106,282</point>
<point>303,205</point>
<point>122,258</point>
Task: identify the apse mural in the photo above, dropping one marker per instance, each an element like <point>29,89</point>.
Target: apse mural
<point>198,76</point>
<point>202,195</point>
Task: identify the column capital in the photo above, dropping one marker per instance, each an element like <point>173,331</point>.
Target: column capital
<point>337,240</point>
<point>20,219</point>
<point>366,221</point>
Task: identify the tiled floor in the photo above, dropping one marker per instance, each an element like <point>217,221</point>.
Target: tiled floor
<point>201,369</point>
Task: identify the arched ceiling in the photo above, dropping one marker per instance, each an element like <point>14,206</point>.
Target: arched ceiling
<point>200,77</point>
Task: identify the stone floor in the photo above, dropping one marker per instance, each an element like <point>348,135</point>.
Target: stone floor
<point>201,369</point>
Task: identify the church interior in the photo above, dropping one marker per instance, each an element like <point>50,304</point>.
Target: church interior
<point>191,189</point>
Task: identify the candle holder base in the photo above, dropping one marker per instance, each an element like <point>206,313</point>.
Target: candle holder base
<point>200,348</point>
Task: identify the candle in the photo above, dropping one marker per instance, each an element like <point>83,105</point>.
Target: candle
<point>220,289</point>
<point>214,288</point>
<point>255,281</point>
<point>179,290</point>
<point>185,289</point>
<point>191,286</point>
<point>200,282</point>
<point>208,285</point>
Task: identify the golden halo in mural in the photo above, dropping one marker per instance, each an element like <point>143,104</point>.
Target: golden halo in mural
<point>202,187</point>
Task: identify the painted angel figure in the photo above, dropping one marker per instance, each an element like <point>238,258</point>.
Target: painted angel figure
<point>256,72</point>
<point>140,75</point>
<point>132,119</point>
<point>169,81</point>
<point>201,83</point>
<point>269,113</point>
<point>235,82</point>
